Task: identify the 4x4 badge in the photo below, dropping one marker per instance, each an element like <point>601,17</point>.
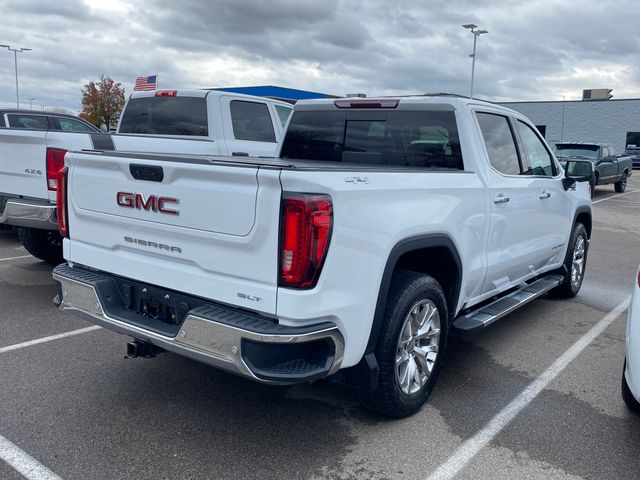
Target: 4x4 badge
<point>356,180</point>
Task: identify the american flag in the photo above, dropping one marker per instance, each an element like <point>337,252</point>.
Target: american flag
<point>146,83</point>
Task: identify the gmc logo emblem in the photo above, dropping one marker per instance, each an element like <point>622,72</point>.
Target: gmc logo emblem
<point>152,203</point>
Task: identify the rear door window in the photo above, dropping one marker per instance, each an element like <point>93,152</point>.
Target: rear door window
<point>31,122</point>
<point>500,143</point>
<point>166,116</point>
<point>404,138</point>
<point>251,121</point>
<point>71,125</point>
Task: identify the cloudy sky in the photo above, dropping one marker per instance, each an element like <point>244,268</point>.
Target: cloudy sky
<point>534,50</point>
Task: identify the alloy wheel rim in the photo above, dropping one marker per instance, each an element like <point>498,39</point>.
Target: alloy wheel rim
<point>577,264</point>
<point>417,348</point>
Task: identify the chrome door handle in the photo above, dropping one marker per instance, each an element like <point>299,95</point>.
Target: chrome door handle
<point>544,195</point>
<point>500,199</point>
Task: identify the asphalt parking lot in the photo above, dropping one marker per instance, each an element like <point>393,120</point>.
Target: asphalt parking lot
<point>77,407</point>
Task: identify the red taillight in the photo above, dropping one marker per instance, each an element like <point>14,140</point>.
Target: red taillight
<point>166,93</point>
<point>61,201</point>
<point>55,162</point>
<point>307,220</point>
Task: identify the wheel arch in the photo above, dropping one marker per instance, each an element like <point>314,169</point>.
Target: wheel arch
<point>583,216</point>
<point>433,254</point>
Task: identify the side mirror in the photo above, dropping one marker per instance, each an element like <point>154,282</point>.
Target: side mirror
<point>577,171</point>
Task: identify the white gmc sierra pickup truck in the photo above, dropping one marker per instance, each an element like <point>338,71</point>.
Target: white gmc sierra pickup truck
<point>384,225</point>
<point>200,122</point>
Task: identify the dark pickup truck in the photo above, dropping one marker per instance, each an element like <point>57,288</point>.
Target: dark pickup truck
<point>634,152</point>
<point>608,167</point>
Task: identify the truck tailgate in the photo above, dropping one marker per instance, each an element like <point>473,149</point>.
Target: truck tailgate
<point>193,225</point>
<point>22,162</point>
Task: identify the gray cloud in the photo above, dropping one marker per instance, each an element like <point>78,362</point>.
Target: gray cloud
<point>535,50</point>
<point>69,9</point>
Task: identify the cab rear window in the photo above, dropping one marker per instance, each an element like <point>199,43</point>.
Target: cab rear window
<point>416,138</point>
<point>31,122</point>
<point>166,116</point>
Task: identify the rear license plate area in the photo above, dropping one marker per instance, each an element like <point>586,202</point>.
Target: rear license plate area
<point>154,306</point>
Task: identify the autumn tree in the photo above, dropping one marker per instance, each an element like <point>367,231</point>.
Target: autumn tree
<point>102,102</point>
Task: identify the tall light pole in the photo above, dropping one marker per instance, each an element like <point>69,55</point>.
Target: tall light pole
<point>564,101</point>
<point>476,34</point>
<point>15,59</point>
<point>31,99</point>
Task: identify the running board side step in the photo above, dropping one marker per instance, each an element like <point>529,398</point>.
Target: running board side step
<point>487,314</point>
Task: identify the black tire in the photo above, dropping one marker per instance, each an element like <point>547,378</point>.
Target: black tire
<point>408,290</point>
<point>627,396</point>
<point>621,186</point>
<point>570,287</point>
<point>43,244</point>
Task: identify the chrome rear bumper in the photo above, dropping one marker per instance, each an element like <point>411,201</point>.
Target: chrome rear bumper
<point>30,213</point>
<point>202,338</point>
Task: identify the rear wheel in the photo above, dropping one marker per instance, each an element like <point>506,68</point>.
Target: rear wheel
<point>575,263</point>
<point>43,244</point>
<point>621,186</point>
<point>411,345</point>
<point>627,396</point>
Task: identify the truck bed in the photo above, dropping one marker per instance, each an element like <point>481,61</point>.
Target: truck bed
<point>262,162</point>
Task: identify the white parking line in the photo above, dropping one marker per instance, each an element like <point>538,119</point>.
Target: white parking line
<point>628,202</point>
<point>25,464</point>
<point>15,258</point>
<point>51,338</point>
<point>614,196</point>
<point>471,447</point>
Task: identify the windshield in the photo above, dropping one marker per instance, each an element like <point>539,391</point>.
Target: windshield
<point>421,138</point>
<point>585,152</point>
<point>166,116</point>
